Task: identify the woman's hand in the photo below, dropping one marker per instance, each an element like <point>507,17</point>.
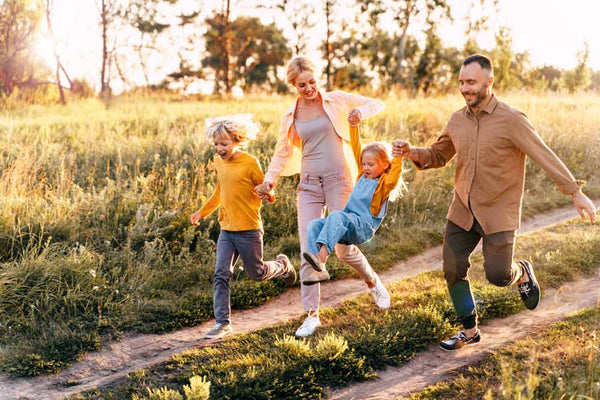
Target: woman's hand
<point>354,117</point>
<point>195,219</point>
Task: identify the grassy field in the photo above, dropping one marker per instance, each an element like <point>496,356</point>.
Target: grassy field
<point>94,232</point>
<point>562,362</point>
<point>357,339</point>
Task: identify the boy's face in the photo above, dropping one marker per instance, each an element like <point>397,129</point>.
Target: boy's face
<point>372,166</point>
<point>225,147</point>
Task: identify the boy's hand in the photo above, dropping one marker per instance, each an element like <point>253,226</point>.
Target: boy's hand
<point>195,219</point>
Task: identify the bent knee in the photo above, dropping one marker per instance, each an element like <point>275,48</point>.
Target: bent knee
<point>499,278</point>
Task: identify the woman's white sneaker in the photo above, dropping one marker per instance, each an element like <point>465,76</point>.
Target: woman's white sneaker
<point>380,295</point>
<point>309,326</point>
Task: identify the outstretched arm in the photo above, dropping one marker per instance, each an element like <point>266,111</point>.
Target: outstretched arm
<point>529,142</point>
<point>207,208</point>
<point>584,205</point>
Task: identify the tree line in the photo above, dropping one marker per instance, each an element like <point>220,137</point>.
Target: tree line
<point>363,44</point>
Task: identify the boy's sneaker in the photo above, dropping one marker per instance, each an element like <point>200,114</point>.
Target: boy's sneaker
<point>460,340</point>
<point>380,294</point>
<point>314,261</point>
<point>316,277</point>
<point>218,331</point>
<point>530,291</point>
<point>309,326</point>
<point>290,275</point>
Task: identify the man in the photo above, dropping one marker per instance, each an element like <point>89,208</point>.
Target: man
<point>490,140</point>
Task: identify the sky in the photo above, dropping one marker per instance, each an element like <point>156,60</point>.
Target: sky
<point>552,31</point>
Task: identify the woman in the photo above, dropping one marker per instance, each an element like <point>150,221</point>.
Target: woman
<point>314,140</point>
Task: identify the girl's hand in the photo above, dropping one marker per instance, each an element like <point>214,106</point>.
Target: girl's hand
<point>401,148</point>
<point>354,117</point>
<point>195,219</point>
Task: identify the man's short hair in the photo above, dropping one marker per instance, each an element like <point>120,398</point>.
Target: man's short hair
<point>482,60</point>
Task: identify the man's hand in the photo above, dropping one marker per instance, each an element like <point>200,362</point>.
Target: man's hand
<point>584,206</point>
<point>354,117</point>
<point>401,148</point>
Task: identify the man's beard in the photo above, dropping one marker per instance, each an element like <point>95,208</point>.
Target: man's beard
<point>479,97</point>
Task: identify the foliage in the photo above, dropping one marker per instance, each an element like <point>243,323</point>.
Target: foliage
<point>19,24</point>
<point>256,51</point>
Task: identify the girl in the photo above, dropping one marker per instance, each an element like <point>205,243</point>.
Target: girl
<point>239,216</point>
<point>379,180</point>
<point>314,141</point>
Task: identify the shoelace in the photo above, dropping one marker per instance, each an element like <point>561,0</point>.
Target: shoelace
<point>524,288</point>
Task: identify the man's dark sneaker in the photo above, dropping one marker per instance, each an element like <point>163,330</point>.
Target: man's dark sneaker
<point>459,340</point>
<point>290,275</point>
<point>530,291</point>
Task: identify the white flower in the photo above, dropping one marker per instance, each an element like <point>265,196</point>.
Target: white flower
<point>93,273</point>
<point>95,288</point>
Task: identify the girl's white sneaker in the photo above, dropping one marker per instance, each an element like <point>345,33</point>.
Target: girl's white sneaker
<point>380,294</point>
<point>309,326</point>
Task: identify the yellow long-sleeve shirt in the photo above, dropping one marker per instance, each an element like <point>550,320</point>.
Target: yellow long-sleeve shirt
<point>387,181</point>
<point>240,207</point>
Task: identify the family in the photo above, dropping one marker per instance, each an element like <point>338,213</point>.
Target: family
<point>352,184</point>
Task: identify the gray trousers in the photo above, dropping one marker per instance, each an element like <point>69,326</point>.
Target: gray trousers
<point>230,247</point>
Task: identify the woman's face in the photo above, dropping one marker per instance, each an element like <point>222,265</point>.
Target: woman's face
<point>306,85</point>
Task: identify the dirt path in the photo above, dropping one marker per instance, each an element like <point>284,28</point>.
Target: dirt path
<point>434,364</point>
<point>133,352</point>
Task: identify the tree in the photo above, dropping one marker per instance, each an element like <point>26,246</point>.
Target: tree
<point>579,77</point>
<point>59,67</point>
<point>255,52</point>
<point>503,58</point>
<point>19,22</point>
<point>148,19</point>
<point>299,16</point>
<point>405,12</point>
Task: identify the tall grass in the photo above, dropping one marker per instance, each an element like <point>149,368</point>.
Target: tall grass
<point>111,189</point>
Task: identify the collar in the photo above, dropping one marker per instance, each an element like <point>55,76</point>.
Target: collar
<point>489,108</point>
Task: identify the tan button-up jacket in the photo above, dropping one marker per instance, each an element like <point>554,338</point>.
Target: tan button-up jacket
<point>490,151</point>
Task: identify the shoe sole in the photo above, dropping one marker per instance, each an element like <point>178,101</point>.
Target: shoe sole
<point>216,336</point>
<point>452,351</point>
<point>317,266</point>
<point>310,283</point>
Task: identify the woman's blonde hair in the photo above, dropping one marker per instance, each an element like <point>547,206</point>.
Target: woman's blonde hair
<point>297,66</point>
<point>240,128</point>
<point>383,152</point>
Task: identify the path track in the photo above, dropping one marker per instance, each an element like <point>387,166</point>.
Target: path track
<point>134,351</point>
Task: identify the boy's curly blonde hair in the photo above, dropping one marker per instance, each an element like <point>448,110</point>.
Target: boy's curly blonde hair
<point>240,128</point>
<point>383,152</point>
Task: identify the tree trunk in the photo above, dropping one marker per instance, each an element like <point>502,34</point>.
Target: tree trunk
<point>328,5</point>
<point>227,47</point>
<point>104,23</point>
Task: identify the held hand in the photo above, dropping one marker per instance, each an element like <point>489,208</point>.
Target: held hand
<point>584,206</point>
<point>195,219</point>
<point>401,148</point>
<point>354,117</point>
<point>263,189</point>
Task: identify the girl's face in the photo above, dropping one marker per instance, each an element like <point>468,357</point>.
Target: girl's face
<point>372,165</point>
<point>225,147</point>
<point>306,85</point>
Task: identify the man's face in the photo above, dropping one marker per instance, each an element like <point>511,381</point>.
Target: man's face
<point>475,83</point>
